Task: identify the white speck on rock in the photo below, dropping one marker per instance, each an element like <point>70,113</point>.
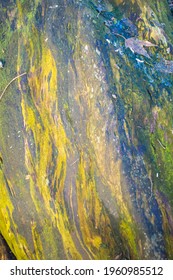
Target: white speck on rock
<point>140,61</point>
<point>86,47</point>
<point>53,7</point>
<point>97,51</point>
<point>108,41</point>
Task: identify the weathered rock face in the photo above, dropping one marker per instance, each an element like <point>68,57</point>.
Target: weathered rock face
<point>86,136</point>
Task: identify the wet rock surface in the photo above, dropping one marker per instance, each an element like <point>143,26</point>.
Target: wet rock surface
<point>86,135</point>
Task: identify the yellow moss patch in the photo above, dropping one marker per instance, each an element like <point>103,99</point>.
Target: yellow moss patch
<point>37,242</point>
<point>91,215</point>
<point>8,229</point>
<point>47,130</point>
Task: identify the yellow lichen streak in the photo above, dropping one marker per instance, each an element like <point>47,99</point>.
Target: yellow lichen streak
<point>46,145</point>
<point>94,223</point>
<point>48,132</point>
<point>9,229</point>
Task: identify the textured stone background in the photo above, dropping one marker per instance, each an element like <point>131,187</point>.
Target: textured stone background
<point>86,137</point>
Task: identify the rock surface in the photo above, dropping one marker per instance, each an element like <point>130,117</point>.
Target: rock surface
<point>86,137</point>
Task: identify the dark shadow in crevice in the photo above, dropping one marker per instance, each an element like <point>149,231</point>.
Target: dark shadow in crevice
<point>5,251</point>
